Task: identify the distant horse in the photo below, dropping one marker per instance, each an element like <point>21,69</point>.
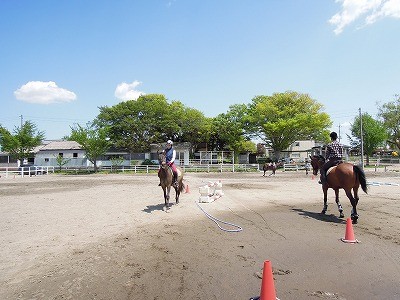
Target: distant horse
<point>269,166</point>
<point>166,179</point>
<point>343,176</point>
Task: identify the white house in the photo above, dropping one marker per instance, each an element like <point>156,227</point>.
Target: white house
<point>70,151</point>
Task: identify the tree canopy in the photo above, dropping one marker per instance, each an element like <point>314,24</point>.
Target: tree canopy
<point>22,141</point>
<point>136,124</point>
<point>390,113</point>
<point>94,141</point>
<point>374,134</point>
<point>281,119</point>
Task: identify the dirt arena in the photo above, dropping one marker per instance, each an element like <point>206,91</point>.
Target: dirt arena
<point>107,237</point>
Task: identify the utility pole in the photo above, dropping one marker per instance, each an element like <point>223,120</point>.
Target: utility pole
<point>22,118</point>
<point>339,133</point>
<point>361,139</point>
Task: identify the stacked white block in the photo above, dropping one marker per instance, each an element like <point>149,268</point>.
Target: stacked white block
<point>211,192</point>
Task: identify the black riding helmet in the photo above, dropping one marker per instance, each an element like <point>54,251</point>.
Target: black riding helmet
<point>333,135</point>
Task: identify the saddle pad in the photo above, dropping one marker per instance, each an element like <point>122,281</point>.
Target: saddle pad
<point>330,169</point>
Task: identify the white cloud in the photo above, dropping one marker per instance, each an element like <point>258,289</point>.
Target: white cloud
<point>370,10</point>
<point>43,93</point>
<point>127,91</point>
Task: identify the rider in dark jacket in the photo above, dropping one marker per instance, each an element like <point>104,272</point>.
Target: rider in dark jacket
<point>333,156</point>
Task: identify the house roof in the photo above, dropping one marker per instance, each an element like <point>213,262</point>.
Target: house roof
<point>61,145</point>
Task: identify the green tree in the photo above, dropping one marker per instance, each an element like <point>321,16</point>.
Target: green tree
<point>390,113</point>
<point>94,141</point>
<point>22,141</point>
<point>135,124</point>
<point>281,119</point>
<point>374,134</point>
<point>194,126</point>
<point>116,162</point>
<point>228,131</point>
<point>61,161</point>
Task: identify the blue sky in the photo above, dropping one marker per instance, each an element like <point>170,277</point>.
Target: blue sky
<point>61,60</point>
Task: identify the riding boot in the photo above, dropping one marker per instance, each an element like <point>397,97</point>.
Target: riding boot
<point>175,180</point>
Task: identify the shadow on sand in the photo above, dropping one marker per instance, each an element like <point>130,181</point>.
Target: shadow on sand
<point>150,208</point>
<point>318,216</point>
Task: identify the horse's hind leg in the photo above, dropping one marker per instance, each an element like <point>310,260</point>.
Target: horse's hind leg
<point>353,201</point>
<point>178,192</point>
<point>339,206</point>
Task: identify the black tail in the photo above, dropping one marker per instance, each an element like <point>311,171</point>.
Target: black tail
<point>361,177</point>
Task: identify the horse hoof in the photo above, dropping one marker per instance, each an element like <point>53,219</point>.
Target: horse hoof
<point>341,215</point>
<point>354,219</point>
<point>323,212</point>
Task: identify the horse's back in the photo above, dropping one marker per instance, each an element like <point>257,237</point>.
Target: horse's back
<point>345,175</point>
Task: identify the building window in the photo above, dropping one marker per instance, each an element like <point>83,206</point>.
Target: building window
<point>61,154</point>
<point>75,155</point>
<point>46,160</point>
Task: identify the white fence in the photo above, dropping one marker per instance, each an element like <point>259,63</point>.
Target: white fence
<point>191,168</point>
<point>33,171</point>
<point>25,171</point>
<point>295,167</point>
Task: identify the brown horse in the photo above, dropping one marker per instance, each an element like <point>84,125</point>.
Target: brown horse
<point>343,176</point>
<point>166,177</point>
<point>269,166</point>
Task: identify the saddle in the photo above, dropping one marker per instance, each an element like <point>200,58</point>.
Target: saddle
<point>178,171</point>
<point>333,167</point>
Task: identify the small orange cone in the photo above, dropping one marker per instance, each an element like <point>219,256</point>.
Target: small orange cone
<point>267,284</point>
<point>187,190</point>
<point>349,237</point>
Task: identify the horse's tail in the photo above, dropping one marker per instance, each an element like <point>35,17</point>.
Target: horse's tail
<point>361,177</point>
<point>181,187</point>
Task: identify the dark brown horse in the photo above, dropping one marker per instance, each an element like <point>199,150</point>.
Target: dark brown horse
<point>166,177</point>
<point>269,166</point>
<point>343,176</point>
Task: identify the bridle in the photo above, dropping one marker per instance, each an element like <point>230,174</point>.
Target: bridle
<point>316,162</point>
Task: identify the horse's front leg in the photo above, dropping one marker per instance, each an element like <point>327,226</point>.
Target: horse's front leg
<point>339,206</point>
<point>166,197</point>
<point>325,190</point>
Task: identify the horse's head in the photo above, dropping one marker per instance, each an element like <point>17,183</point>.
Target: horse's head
<point>317,161</point>
<point>161,159</point>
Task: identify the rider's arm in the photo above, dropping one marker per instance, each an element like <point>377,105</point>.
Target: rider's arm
<point>173,156</point>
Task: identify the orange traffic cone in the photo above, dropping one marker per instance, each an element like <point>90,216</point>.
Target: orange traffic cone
<point>349,237</point>
<point>267,284</point>
<point>187,190</point>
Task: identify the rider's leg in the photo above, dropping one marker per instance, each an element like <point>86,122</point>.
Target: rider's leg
<point>175,173</point>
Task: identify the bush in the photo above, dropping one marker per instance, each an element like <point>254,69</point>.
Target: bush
<point>149,162</point>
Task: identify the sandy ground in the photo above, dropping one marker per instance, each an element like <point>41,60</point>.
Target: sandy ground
<point>107,237</point>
